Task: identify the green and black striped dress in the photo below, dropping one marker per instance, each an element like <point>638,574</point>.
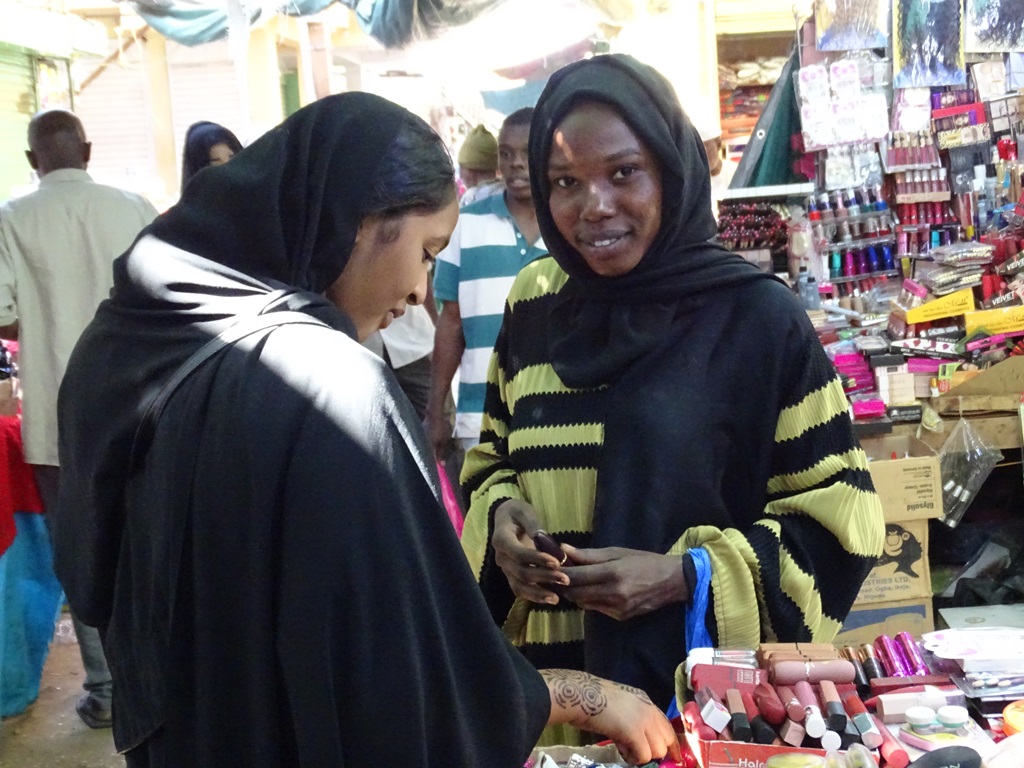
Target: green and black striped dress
<point>768,479</point>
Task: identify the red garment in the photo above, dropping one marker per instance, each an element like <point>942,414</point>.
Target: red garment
<point>18,492</point>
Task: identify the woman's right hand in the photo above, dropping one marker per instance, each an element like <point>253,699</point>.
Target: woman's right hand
<point>531,574</point>
<point>620,712</point>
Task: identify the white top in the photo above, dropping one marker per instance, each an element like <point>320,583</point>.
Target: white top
<point>410,337</point>
<point>56,249</point>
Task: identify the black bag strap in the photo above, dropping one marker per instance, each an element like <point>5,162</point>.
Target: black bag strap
<point>242,329</point>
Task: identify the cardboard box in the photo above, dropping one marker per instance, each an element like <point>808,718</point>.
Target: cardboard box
<point>995,389</point>
<point>909,485</point>
<point>910,489</point>
<point>866,622</point>
<point>902,571</point>
<point>737,754</point>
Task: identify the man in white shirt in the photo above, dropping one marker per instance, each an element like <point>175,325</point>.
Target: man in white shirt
<point>56,249</point>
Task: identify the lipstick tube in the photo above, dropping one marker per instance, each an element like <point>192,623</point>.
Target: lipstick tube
<point>858,713</point>
<point>696,724</point>
<point>740,724</point>
<point>711,709</point>
<point>831,740</point>
<point>910,650</point>
<point>891,656</point>
<point>860,679</point>
<point>871,666</point>
<point>814,723</point>
<point>769,705</point>
<point>763,733</point>
<point>792,733</point>
<point>794,708</point>
<point>833,706</point>
<point>893,752</point>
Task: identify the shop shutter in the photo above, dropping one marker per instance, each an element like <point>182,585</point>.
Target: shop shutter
<point>17,105</point>
<point>204,86</point>
<point>114,108</point>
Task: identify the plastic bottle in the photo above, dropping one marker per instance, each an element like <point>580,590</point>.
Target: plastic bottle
<point>807,286</point>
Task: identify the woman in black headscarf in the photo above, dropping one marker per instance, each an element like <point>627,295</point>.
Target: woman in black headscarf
<point>206,144</point>
<point>661,407</point>
<point>253,521</point>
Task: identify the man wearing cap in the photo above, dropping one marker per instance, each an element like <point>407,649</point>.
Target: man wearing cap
<point>478,161</point>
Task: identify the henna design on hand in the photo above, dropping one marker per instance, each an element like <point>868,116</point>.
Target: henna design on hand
<point>573,689</point>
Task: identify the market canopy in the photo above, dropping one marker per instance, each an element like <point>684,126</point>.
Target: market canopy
<point>393,23</point>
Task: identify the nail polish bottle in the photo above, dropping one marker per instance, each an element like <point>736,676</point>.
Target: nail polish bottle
<point>835,264</point>
<point>824,208</point>
<point>838,209</point>
<point>874,261</point>
<point>850,201</point>
<point>844,232</point>
<point>849,265</point>
<point>863,267</point>
<point>879,198</point>
<point>887,260</point>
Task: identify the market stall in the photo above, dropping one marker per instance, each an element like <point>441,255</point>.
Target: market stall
<point>894,210</point>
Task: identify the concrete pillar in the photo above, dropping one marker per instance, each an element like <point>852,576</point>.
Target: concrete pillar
<point>263,80</point>
<point>160,109</point>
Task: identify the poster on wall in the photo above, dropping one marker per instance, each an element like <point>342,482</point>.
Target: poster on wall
<point>928,47</point>
<point>850,25</point>
<point>995,25</point>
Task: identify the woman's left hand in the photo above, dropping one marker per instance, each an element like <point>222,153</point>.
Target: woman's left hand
<point>623,583</point>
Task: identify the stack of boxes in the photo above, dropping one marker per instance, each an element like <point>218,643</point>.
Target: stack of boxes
<point>897,595</point>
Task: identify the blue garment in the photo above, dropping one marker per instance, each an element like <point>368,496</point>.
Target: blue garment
<point>29,599</point>
<point>697,635</point>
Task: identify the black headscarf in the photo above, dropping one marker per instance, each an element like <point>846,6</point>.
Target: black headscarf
<point>200,138</point>
<point>287,208</point>
<point>603,324</point>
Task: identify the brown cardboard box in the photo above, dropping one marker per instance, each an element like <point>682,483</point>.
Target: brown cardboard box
<point>995,389</point>
<point>902,571</point>
<point>909,485</point>
<point>866,622</point>
<point>910,490</point>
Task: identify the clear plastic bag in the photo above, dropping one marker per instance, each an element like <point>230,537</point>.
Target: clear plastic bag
<point>965,463</point>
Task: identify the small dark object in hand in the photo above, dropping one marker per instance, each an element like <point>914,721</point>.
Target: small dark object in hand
<point>546,543</point>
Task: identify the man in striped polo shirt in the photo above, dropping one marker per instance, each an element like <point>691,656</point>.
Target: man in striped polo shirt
<point>495,238</point>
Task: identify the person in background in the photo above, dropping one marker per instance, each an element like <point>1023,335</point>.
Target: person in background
<point>265,549</point>
<point>206,144</point>
<point>661,407</point>
<point>478,158</point>
<point>56,248</point>
<point>495,238</point>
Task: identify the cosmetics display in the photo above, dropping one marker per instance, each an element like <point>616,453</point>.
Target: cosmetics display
<point>886,703</point>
